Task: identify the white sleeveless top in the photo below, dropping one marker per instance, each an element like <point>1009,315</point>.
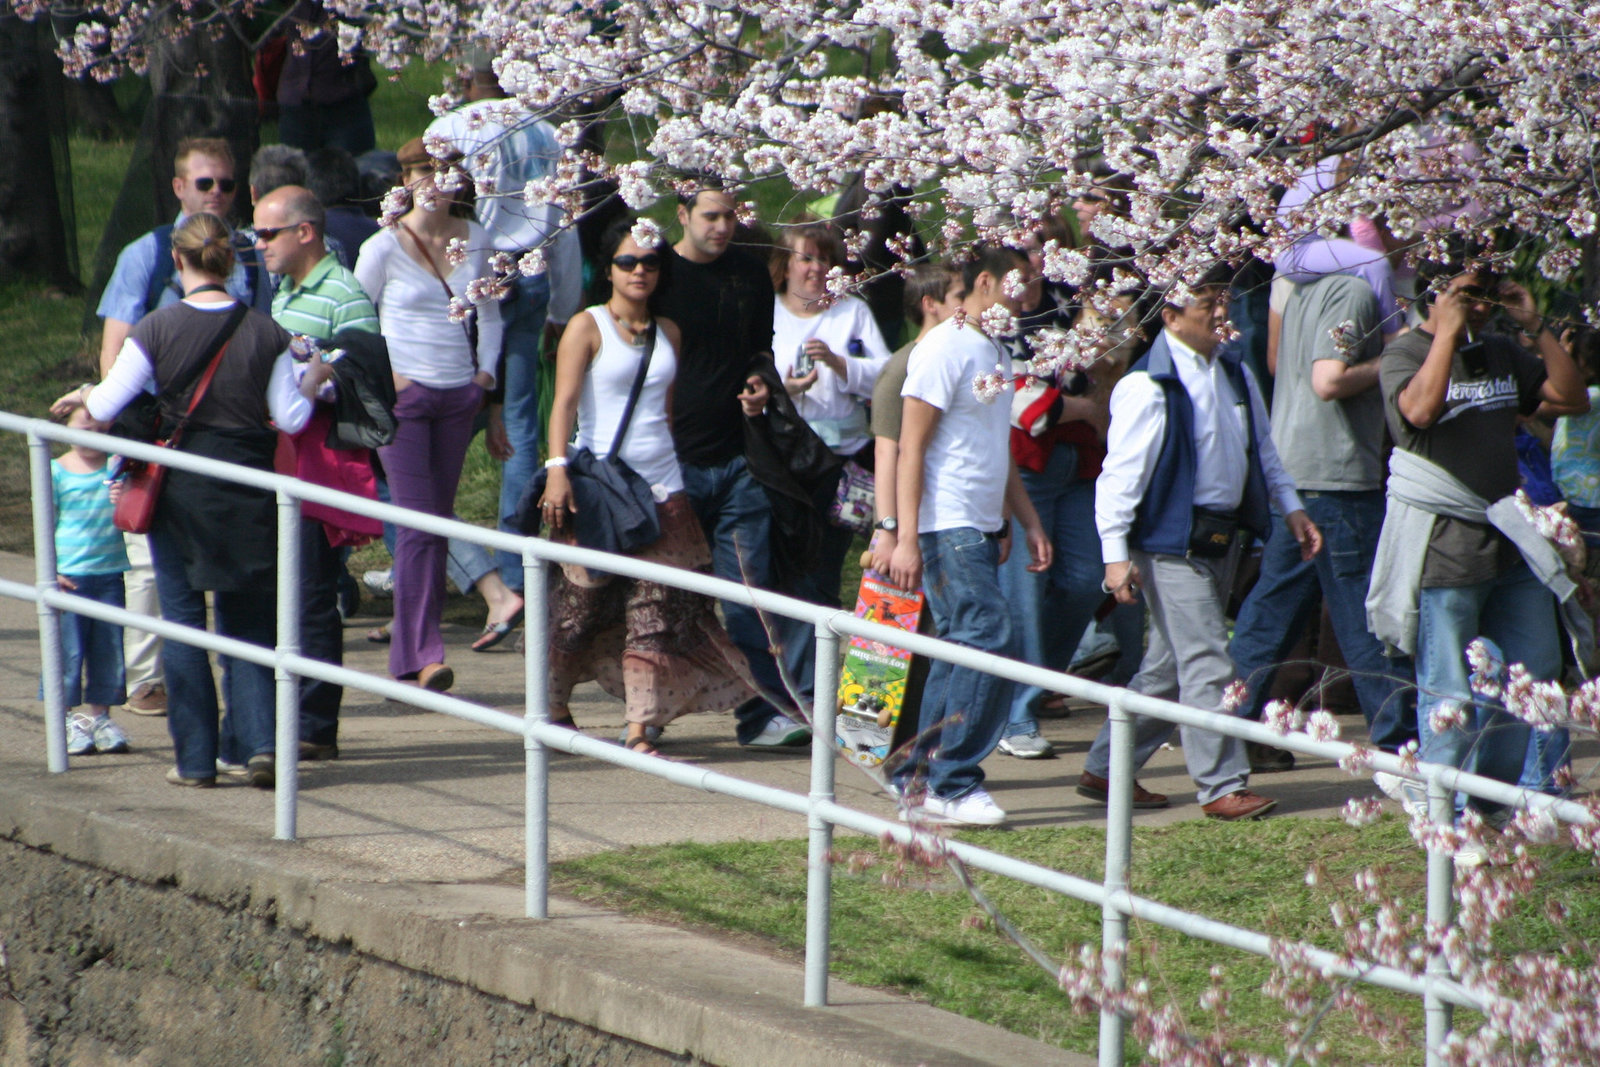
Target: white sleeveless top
<point>648,446</point>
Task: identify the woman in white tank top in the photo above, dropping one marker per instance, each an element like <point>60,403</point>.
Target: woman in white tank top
<point>660,649</point>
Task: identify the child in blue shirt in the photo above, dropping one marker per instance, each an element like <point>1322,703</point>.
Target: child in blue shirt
<point>90,561</point>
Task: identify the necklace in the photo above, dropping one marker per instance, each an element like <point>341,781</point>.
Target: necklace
<point>624,323</point>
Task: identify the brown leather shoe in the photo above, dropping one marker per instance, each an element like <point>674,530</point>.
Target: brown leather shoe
<point>1239,804</point>
<point>1096,788</point>
<point>149,699</point>
<point>436,677</point>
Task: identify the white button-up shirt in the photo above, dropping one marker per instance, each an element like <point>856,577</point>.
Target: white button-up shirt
<point>1221,440</point>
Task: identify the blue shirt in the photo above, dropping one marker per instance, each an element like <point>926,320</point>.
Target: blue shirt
<point>129,287</point>
<point>86,540</point>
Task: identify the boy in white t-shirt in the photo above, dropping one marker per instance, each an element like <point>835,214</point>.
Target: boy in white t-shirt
<point>956,485</point>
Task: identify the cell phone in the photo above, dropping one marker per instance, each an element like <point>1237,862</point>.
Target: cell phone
<point>803,363</point>
<point>1474,358</point>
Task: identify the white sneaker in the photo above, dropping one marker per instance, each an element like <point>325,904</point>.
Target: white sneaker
<point>1030,745</point>
<point>1471,854</point>
<point>379,583</point>
<point>80,735</point>
<point>108,736</point>
<point>975,808</point>
<point>1410,794</point>
<point>780,732</point>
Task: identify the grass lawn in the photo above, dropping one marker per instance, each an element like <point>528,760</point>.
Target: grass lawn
<point>926,938</point>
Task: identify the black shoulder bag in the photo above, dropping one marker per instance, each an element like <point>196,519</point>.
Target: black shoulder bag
<point>616,507</point>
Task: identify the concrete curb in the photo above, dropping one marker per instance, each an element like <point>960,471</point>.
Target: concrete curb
<point>678,991</point>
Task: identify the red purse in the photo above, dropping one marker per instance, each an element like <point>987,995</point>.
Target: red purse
<point>141,485</point>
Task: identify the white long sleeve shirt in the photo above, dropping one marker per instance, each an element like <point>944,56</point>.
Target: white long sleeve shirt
<point>833,405</point>
<point>1221,439</point>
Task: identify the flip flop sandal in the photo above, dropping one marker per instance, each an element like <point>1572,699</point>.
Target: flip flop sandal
<point>380,635</point>
<point>495,632</point>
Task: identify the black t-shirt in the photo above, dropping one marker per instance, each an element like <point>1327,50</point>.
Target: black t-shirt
<point>1472,439</point>
<point>724,309</point>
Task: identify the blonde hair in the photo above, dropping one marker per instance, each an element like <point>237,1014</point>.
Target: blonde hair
<point>205,243</point>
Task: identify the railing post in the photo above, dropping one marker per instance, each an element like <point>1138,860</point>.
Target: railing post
<point>1119,850</point>
<point>1437,1012</point>
<point>287,793</point>
<point>819,869</point>
<point>44,562</point>
<point>536,709</point>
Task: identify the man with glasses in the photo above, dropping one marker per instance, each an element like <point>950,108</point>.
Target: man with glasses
<point>318,298</point>
<point>1190,469</point>
<point>144,279</point>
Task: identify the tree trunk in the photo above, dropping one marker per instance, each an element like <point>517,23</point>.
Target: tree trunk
<point>34,242</point>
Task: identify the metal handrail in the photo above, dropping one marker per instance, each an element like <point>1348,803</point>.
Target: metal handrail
<point>1439,990</point>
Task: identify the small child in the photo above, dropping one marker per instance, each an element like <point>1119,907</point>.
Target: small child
<point>90,561</point>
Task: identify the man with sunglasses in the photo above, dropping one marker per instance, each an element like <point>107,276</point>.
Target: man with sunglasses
<point>144,279</point>
<point>1455,560</point>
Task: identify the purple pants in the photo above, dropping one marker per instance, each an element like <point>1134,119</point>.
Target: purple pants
<point>424,467</point>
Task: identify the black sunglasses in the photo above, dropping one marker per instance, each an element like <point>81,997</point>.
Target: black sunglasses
<point>649,261</point>
<point>266,234</point>
<point>227,185</point>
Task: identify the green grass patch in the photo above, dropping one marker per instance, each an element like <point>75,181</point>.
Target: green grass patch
<point>917,932</point>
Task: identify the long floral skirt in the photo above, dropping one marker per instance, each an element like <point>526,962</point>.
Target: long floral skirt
<point>661,650</point>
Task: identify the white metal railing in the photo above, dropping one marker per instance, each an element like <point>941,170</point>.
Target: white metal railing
<point>1436,986</point>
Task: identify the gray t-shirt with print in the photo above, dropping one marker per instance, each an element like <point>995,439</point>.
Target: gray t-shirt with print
<point>1328,445</point>
<point>1472,439</point>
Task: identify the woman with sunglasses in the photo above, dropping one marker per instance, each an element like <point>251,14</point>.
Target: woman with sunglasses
<point>660,650</point>
<point>444,367</point>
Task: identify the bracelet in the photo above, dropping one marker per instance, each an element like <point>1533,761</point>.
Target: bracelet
<point>555,461</point>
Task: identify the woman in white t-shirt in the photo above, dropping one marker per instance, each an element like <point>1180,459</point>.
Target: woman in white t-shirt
<point>661,650</point>
<point>829,352</point>
<point>443,372</point>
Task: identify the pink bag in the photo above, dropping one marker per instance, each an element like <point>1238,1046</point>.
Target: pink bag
<point>305,456</point>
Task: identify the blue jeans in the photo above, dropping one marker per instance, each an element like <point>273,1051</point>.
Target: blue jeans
<point>1518,614</point>
<point>1280,605</point>
<point>1051,611</point>
<point>248,688</point>
<point>963,711</point>
<point>91,650</point>
<point>523,314</point>
<point>737,521</point>
<point>1548,752</point>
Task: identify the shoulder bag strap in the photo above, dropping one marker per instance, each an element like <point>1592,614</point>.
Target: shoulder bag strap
<point>235,317</point>
<point>469,325</point>
<point>638,386</point>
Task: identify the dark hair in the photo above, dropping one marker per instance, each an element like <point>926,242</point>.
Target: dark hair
<point>698,182</point>
<point>803,227</point>
<point>333,176</point>
<point>276,165</point>
<point>610,240</point>
<point>996,260</point>
<point>1461,255</point>
<point>927,280</point>
<point>205,243</point>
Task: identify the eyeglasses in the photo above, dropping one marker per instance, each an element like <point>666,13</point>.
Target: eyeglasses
<point>649,261</point>
<point>227,185</point>
<point>267,234</point>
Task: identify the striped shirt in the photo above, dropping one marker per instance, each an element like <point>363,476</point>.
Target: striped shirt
<point>86,541</point>
<point>327,301</point>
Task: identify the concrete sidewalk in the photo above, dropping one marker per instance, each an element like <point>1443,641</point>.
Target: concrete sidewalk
<point>424,814</point>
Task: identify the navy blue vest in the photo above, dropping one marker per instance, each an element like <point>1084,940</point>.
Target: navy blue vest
<point>1164,518</point>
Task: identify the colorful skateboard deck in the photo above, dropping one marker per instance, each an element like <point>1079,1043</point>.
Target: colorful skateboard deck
<point>880,686</point>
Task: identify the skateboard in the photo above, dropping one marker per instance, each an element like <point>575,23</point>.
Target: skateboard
<point>880,686</point>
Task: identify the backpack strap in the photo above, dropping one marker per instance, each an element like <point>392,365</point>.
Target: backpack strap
<point>161,277</point>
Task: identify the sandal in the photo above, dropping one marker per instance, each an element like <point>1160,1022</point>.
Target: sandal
<point>380,635</point>
<point>642,745</point>
<point>495,632</point>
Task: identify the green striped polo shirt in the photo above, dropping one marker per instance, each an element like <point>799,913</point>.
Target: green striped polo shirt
<point>328,300</point>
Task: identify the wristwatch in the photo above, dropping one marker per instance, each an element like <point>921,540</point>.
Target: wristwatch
<point>888,525</point>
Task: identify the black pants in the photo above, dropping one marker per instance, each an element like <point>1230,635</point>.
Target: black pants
<point>321,632</point>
